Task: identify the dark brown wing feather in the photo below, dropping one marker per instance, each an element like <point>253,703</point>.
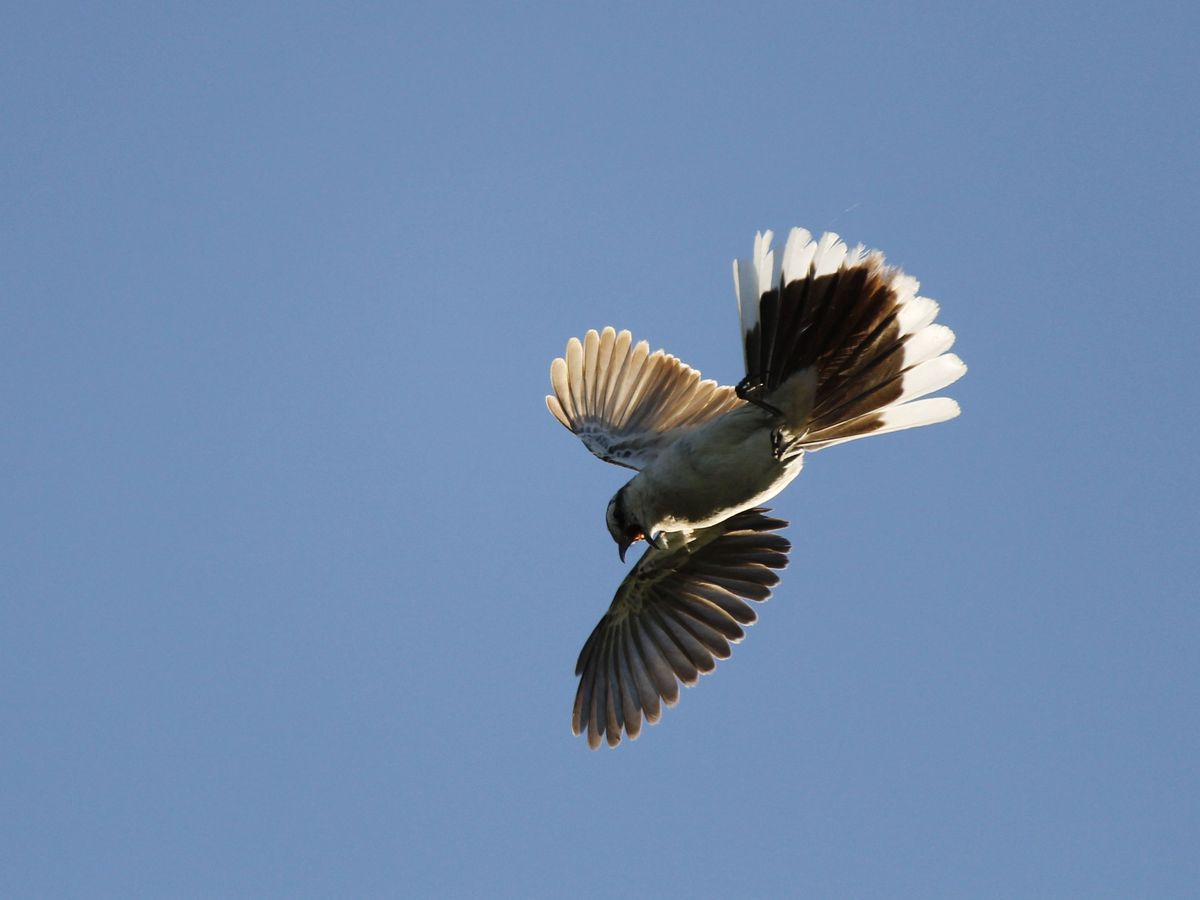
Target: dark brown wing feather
<point>675,614</point>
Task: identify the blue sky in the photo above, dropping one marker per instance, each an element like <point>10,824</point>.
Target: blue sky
<point>295,565</point>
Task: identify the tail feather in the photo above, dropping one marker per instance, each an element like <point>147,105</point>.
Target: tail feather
<point>929,411</point>
<point>856,324</point>
<point>911,384</point>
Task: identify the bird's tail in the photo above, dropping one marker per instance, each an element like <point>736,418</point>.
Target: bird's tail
<point>839,343</point>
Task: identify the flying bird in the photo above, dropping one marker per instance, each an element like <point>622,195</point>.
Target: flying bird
<point>838,346</point>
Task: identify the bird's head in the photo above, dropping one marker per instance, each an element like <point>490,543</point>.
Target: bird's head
<point>621,526</point>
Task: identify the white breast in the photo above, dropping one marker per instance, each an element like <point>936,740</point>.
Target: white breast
<point>711,474</point>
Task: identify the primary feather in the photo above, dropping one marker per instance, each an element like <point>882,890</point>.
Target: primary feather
<point>675,614</point>
<point>626,403</point>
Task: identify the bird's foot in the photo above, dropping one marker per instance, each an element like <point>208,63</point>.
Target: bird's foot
<point>751,390</point>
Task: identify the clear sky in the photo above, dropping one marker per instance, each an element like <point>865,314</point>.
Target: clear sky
<point>295,565</point>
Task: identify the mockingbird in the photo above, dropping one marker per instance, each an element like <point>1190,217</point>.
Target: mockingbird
<point>838,346</point>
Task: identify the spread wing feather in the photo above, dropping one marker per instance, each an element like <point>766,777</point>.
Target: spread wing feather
<point>675,614</point>
<point>626,403</point>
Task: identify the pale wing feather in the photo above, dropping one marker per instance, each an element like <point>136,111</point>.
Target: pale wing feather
<point>626,403</point>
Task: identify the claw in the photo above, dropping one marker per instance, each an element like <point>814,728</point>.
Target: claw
<point>752,391</point>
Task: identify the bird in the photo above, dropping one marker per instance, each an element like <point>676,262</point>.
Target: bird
<point>838,345</point>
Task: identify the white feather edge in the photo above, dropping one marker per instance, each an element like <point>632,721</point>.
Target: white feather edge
<point>930,341</point>
<point>929,376</point>
<point>764,259</point>
<point>753,278</point>
<point>745,288</point>
<point>604,376</point>
<point>798,254</point>
<point>831,253</point>
<point>928,411</point>
<point>802,255</point>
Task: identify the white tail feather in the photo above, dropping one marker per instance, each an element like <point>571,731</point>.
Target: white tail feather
<point>929,411</point>
<point>916,313</point>
<point>798,254</point>
<point>930,341</point>
<point>745,287</point>
<point>831,253</point>
<point>929,376</point>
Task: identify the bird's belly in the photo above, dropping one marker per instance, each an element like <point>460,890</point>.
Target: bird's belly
<point>718,471</point>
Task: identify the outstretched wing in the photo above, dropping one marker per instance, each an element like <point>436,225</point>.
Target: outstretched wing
<point>627,403</point>
<point>673,617</point>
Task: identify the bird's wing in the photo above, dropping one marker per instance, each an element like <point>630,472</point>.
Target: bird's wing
<point>627,403</point>
<point>674,615</point>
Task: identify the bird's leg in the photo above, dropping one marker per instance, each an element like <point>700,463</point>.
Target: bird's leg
<point>751,390</point>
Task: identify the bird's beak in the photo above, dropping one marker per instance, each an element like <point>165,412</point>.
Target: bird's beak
<point>622,546</point>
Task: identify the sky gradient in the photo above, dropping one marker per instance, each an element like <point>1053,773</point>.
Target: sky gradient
<point>294,564</point>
